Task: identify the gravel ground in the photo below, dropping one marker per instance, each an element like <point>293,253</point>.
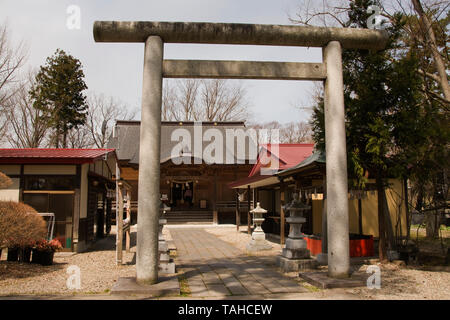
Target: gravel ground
<point>397,282</point>
<point>98,271</point>
<point>408,283</point>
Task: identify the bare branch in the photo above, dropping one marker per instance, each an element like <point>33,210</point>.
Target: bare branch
<point>102,114</point>
<point>27,125</point>
<point>204,100</point>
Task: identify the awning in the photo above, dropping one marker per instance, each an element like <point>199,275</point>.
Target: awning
<point>254,182</point>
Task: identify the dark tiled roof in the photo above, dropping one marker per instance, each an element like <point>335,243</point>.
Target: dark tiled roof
<point>127,135</point>
<point>317,157</point>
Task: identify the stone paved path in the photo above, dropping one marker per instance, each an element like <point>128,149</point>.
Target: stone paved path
<point>215,268</point>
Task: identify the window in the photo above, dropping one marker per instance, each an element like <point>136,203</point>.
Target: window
<point>50,183</point>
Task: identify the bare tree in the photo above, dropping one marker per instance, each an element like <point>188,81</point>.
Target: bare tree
<point>429,36</point>
<point>204,100</point>
<point>27,126</point>
<point>292,132</point>
<point>80,138</point>
<point>169,103</point>
<point>187,99</point>
<point>423,32</point>
<point>12,58</point>
<point>321,13</point>
<point>296,132</point>
<point>102,113</point>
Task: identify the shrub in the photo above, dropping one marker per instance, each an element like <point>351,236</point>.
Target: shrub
<point>20,225</point>
<point>5,181</point>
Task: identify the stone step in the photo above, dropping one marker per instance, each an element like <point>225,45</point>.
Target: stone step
<point>204,217</point>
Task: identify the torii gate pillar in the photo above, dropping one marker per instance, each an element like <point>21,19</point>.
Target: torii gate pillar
<point>336,167</point>
<point>149,167</point>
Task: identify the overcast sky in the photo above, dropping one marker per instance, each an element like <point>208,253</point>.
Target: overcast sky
<point>115,69</point>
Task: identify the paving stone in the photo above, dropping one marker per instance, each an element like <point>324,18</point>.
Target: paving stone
<point>199,291</point>
<point>215,268</point>
<point>321,280</point>
<point>167,286</point>
<point>255,287</point>
<point>237,289</point>
<point>212,279</point>
<point>217,290</point>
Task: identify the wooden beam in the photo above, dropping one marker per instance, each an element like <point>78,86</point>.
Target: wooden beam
<point>243,70</point>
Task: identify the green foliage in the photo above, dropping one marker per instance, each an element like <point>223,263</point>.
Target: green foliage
<point>380,90</point>
<point>395,127</point>
<point>58,92</point>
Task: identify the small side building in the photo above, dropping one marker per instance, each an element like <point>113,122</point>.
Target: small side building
<point>308,179</point>
<point>77,185</point>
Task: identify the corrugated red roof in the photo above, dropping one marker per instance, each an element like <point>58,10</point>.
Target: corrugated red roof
<point>40,155</point>
<point>288,154</point>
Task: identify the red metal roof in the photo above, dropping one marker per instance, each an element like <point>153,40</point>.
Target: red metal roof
<point>288,154</point>
<point>39,155</point>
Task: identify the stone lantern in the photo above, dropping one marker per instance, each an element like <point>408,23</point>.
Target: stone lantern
<point>258,241</point>
<point>295,255</point>
<point>166,264</point>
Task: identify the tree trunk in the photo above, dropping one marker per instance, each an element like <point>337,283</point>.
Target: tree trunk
<point>57,138</point>
<point>65,136</point>
<point>381,221</point>
<point>419,200</point>
<point>438,62</point>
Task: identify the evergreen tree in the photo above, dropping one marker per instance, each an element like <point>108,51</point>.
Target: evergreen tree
<point>58,92</point>
<point>380,87</point>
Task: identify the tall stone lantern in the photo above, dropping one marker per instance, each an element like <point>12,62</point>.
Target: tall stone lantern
<point>258,241</point>
<point>295,255</point>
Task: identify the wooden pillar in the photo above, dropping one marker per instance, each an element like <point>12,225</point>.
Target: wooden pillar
<point>128,233</point>
<point>408,225</point>
<point>76,220</point>
<point>119,222</point>
<point>249,226</point>
<point>238,216</point>
<point>360,214</point>
<point>282,213</point>
<point>215,212</point>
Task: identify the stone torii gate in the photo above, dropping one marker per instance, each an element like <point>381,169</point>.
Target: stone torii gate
<point>155,34</point>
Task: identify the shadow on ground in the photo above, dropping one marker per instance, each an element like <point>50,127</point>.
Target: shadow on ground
<point>19,270</point>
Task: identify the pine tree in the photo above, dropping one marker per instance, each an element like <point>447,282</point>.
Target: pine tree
<point>58,92</point>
